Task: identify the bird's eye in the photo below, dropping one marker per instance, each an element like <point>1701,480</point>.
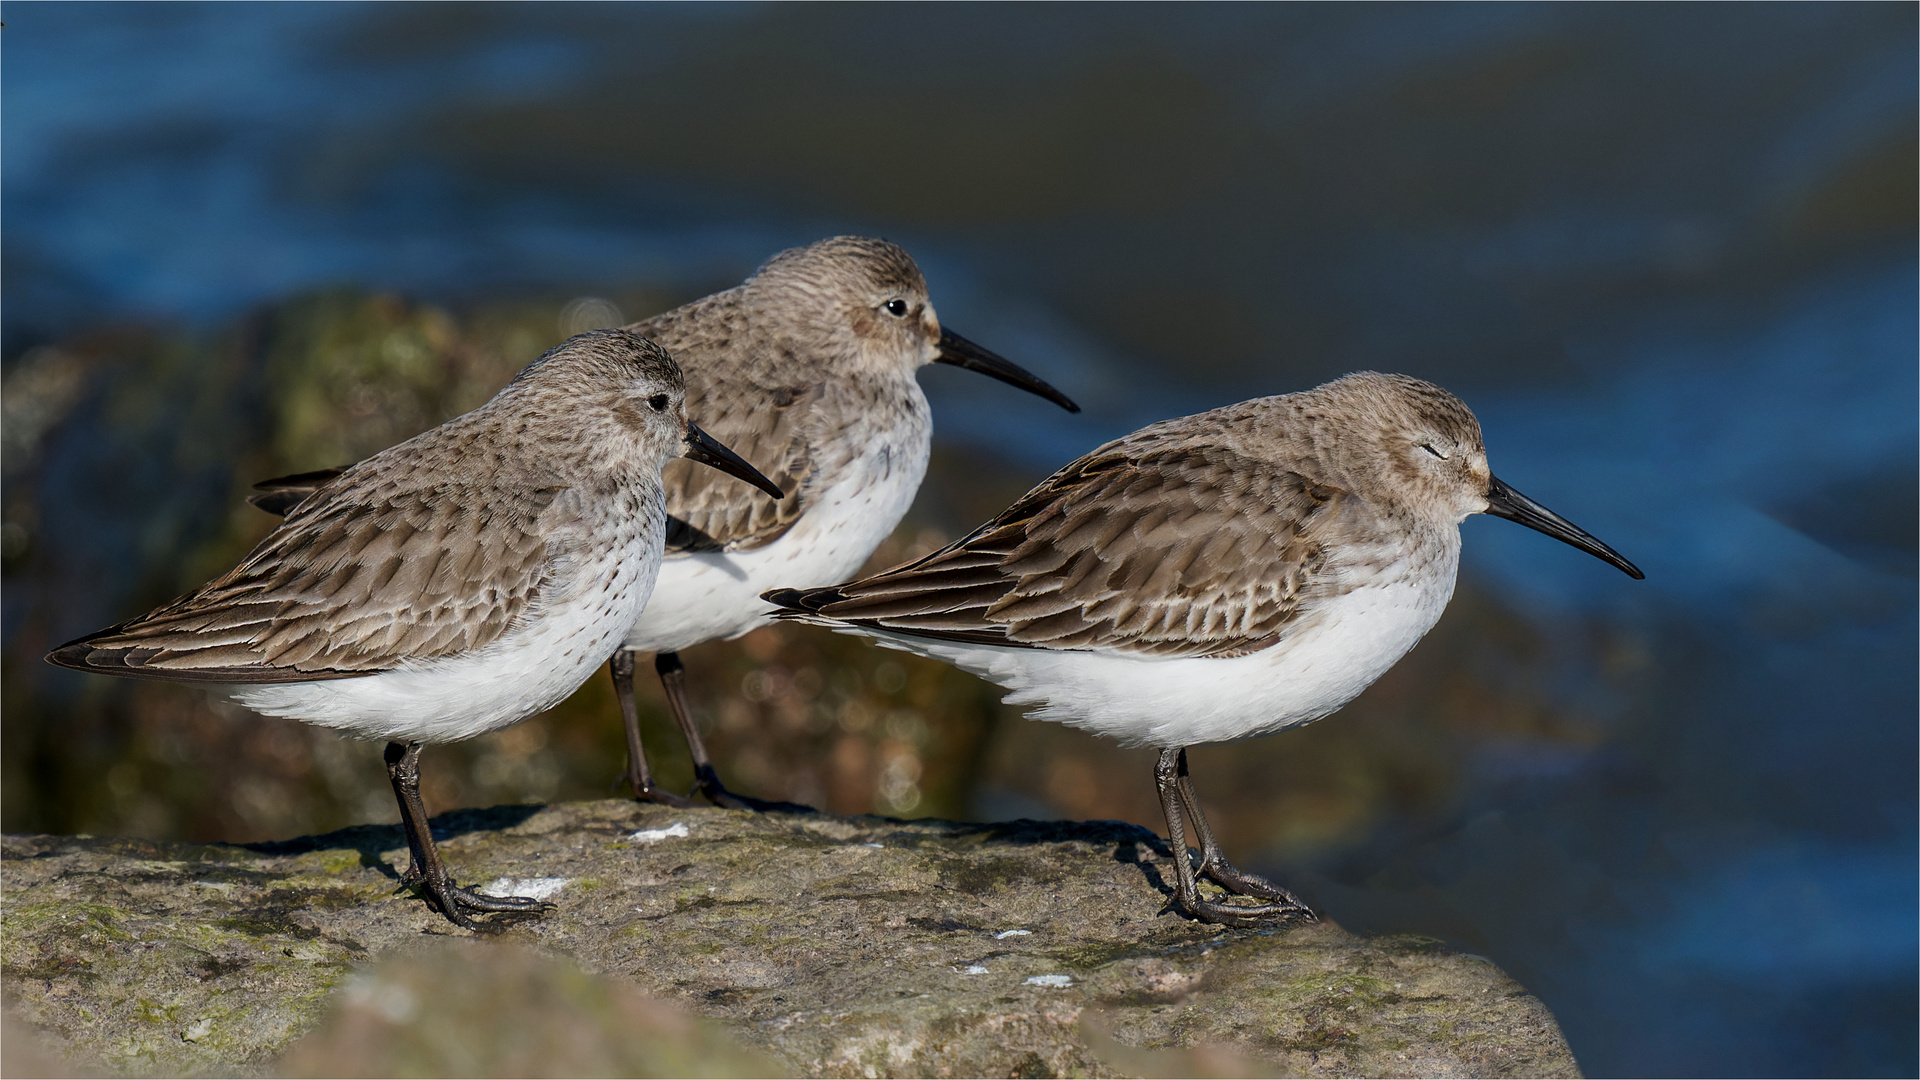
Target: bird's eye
<point>659,402</point>
<point>896,308</point>
<point>1431,449</point>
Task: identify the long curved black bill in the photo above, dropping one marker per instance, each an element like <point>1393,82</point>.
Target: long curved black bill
<point>1503,501</point>
<point>706,450</point>
<point>960,352</point>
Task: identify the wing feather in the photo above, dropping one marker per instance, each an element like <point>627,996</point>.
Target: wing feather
<point>707,510</point>
<point>351,585</point>
<point>738,392</point>
<point>1140,547</point>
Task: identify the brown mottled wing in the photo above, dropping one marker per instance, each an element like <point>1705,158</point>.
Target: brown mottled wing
<point>738,391</point>
<point>707,510</point>
<point>1172,552</point>
<point>351,587</point>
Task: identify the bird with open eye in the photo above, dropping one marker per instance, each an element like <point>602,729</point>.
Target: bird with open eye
<point>807,369</point>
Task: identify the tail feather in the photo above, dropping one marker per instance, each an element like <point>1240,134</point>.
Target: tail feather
<point>281,494</point>
<point>809,606</point>
<point>802,601</point>
<point>136,663</point>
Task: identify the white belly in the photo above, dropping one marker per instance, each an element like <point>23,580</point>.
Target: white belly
<point>711,595</point>
<point>529,670</point>
<point>1353,639</point>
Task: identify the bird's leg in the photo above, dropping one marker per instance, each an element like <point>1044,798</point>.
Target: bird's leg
<point>706,782</point>
<point>1186,895</point>
<point>424,868</point>
<point>1213,862</point>
<point>641,777</point>
<point>403,771</point>
<point>1167,775</point>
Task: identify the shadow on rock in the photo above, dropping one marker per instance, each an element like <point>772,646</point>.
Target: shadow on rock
<point>373,841</point>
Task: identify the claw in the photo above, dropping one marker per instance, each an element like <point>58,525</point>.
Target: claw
<point>1241,883</point>
<point>711,789</point>
<point>455,903</point>
<point>1287,905</point>
<point>1233,914</point>
<point>650,794</point>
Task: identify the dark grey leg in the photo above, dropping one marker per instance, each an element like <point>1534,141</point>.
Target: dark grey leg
<point>706,782</point>
<point>424,869</point>
<point>1214,864</point>
<point>641,777</point>
<point>1168,775</point>
<point>1186,894</point>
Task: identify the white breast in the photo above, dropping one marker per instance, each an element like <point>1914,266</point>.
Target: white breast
<point>711,595</point>
<point>1342,646</point>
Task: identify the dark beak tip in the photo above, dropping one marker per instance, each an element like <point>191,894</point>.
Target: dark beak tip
<point>962,353</point>
<point>1504,502</point>
<point>705,449</point>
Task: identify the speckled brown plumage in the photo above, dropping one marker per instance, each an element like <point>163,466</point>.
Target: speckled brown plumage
<point>807,369</point>
<point>1209,578</point>
<point>1208,535</point>
<point>782,369</point>
<point>430,549</point>
<point>453,585</point>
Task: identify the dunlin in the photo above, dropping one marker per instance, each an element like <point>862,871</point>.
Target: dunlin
<point>450,586</point>
<point>1209,578</point>
<point>807,368</point>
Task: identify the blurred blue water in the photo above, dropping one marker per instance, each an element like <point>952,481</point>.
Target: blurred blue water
<point>1642,243</point>
<point>1697,447</point>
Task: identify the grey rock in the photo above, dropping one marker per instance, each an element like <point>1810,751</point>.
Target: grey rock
<point>472,1008</point>
<point>834,946</point>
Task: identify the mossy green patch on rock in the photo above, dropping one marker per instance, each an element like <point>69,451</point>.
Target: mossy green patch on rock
<point>835,946</point>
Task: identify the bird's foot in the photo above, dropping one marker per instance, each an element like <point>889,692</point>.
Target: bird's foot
<point>711,789</point>
<point>1284,905</point>
<point>645,791</point>
<point>456,903</point>
<point>1227,914</point>
<point>1240,883</point>
<point>664,798</point>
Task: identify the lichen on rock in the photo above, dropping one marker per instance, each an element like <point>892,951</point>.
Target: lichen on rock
<point>829,946</point>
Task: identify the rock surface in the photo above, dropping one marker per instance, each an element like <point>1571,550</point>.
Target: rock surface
<point>833,946</point>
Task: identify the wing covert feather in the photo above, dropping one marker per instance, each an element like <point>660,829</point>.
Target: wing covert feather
<point>735,392</point>
<point>1161,551</point>
<point>738,392</point>
<point>707,510</point>
<point>351,587</point>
